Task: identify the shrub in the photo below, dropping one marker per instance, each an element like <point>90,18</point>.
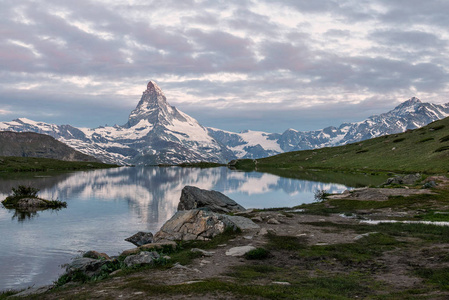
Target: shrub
<point>398,140</point>
<point>321,195</point>
<point>24,192</point>
<point>444,148</point>
<point>258,253</point>
<point>444,138</point>
<point>426,140</point>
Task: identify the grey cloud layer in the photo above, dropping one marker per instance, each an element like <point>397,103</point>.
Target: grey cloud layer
<point>288,58</point>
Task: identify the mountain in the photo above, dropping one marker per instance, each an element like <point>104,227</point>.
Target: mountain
<point>157,133</point>
<point>422,150</point>
<point>30,144</point>
<point>408,115</point>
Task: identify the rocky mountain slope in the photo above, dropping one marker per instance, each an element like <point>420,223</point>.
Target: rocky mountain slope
<point>157,133</point>
<point>30,144</point>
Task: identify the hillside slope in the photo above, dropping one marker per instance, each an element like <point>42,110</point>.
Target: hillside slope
<point>30,144</point>
<point>421,150</point>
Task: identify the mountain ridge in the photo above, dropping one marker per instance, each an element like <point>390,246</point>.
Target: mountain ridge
<point>158,133</point>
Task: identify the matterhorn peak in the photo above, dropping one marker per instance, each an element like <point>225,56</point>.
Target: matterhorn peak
<point>153,107</point>
<point>153,88</point>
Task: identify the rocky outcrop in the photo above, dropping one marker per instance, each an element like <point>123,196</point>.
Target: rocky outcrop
<point>199,224</point>
<point>406,179</point>
<point>193,197</point>
<point>140,238</point>
<point>30,144</point>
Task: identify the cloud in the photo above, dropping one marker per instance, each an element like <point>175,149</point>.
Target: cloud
<point>234,63</point>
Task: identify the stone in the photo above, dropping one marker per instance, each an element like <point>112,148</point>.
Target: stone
<point>242,223</point>
<point>273,221</point>
<point>143,258</point>
<point>281,283</point>
<point>263,231</point>
<point>140,238</point>
<point>31,202</point>
<point>239,251</point>
<point>193,197</point>
<point>358,237</point>
<point>96,255</point>
<point>257,219</point>
<point>89,266</point>
<point>190,225</point>
<point>406,179</point>
<point>203,252</point>
<point>199,224</point>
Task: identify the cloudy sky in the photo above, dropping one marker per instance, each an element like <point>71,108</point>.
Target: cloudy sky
<point>232,64</point>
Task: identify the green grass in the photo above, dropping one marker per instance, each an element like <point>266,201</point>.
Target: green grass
<point>427,202</point>
<point>31,164</point>
<point>326,287</point>
<point>438,277</point>
<point>412,151</point>
<point>361,251</point>
<point>280,242</point>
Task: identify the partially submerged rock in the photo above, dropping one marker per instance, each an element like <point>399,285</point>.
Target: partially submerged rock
<point>88,266</point>
<point>140,238</point>
<point>193,197</point>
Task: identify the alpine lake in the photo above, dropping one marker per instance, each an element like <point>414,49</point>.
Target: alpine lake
<point>106,206</point>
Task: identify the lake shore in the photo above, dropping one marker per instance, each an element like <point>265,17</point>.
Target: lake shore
<point>319,250</point>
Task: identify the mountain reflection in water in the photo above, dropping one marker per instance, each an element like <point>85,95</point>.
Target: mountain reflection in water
<point>106,206</point>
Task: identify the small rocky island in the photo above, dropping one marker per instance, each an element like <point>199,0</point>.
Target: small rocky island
<point>25,198</point>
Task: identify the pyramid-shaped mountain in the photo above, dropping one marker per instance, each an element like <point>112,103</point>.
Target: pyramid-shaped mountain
<point>157,133</point>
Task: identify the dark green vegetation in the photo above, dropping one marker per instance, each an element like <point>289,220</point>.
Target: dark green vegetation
<point>12,164</point>
<point>421,150</point>
<point>22,192</point>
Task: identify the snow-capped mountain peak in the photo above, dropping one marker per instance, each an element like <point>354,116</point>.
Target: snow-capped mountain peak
<point>154,108</point>
<point>157,133</point>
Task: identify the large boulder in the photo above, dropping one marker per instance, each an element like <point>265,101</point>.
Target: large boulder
<point>193,197</point>
<point>200,224</point>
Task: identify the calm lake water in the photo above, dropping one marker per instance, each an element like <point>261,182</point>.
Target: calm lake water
<point>107,206</point>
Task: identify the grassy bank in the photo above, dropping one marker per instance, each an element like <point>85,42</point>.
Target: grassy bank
<point>9,164</point>
<point>423,150</point>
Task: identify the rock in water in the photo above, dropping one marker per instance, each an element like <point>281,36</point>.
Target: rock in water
<point>140,238</point>
<point>193,197</point>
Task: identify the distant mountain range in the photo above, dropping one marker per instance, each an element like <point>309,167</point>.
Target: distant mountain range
<point>157,133</point>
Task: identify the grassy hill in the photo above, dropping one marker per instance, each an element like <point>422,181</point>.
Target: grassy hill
<point>421,150</point>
